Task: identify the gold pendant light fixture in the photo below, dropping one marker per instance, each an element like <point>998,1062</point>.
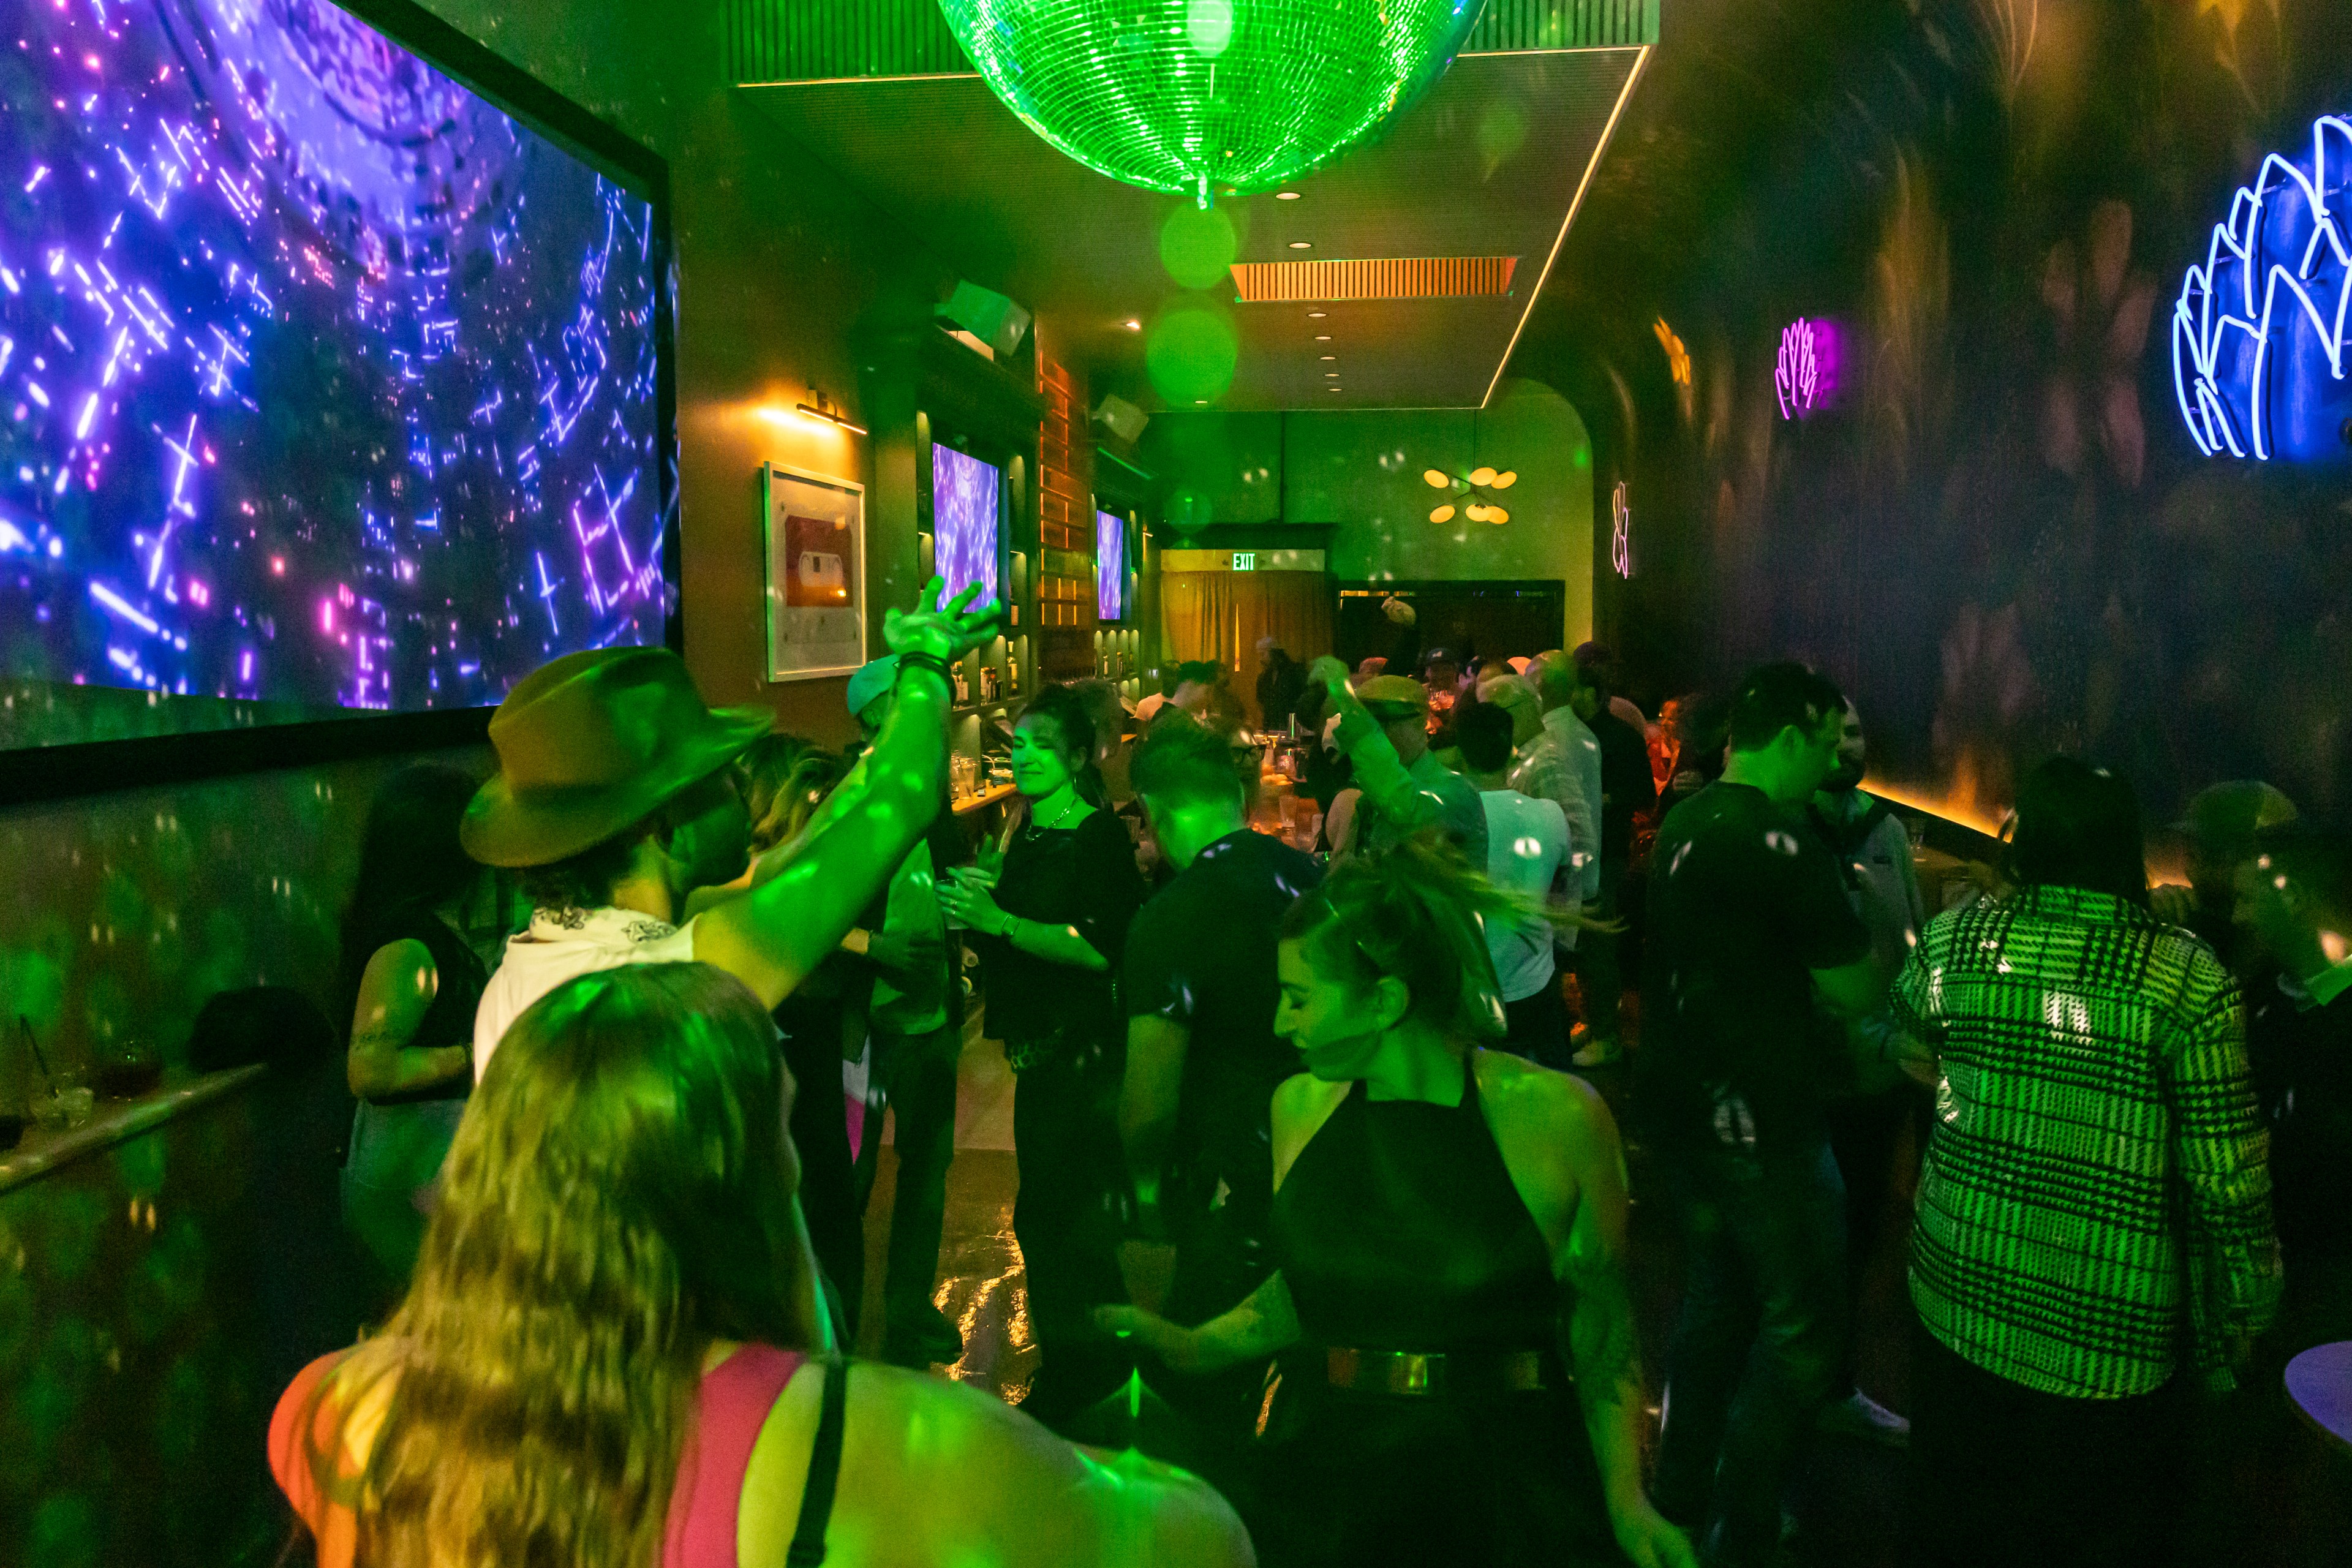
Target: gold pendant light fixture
<point>1478,486</point>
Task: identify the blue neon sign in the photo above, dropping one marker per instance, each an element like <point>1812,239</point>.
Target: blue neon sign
<point>2258,341</point>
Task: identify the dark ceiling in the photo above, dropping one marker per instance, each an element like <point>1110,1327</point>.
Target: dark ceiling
<point>1489,164</point>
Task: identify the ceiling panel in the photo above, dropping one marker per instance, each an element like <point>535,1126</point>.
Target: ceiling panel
<point>1486,165</point>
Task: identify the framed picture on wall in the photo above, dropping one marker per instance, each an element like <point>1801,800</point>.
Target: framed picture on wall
<point>817,574</point>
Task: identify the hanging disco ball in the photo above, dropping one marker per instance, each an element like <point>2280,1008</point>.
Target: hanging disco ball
<point>1201,96</point>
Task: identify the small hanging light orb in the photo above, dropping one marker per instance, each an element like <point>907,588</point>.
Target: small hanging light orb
<point>1442,514</point>
<point>1197,96</point>
<point>1482,476</point>
<point>1497,516</point>
<point>1436,479</point>
<point>1504,479</point>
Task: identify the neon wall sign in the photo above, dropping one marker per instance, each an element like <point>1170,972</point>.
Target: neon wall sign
<point>1621,532</point>
<point>1804,375</point>
<point>2258,343</point>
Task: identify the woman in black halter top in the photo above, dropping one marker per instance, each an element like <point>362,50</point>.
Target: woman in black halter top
<point>1460,1380</point>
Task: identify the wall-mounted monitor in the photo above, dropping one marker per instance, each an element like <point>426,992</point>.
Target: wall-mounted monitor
<point>330,386</point>
<point>967,523</point>
<point>1111,566</point>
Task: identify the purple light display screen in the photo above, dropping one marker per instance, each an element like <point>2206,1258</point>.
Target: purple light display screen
<point>1110,567</point>
<point>325,384</point>
<point>966,532</point>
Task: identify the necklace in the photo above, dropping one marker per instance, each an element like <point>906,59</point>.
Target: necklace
<point>1068,806</point>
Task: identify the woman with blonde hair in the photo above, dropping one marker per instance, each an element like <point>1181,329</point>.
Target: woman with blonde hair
<point>602,1359</point>
<point>1460,1375</point>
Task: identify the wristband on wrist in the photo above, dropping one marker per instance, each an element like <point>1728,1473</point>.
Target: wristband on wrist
<point>930,662</point>
<point>1005,930</point>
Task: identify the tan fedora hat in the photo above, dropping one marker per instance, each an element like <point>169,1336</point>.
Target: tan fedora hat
<point>591,743</point>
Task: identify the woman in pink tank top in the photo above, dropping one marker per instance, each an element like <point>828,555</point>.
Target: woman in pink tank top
<point>596,1363</point>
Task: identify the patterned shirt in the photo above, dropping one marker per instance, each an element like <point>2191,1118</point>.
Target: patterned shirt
<point>2097,1191</point>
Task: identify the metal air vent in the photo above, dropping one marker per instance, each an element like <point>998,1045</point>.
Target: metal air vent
<point>1397,278</point>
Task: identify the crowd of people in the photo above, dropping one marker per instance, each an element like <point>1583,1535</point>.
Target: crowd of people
<point>599,1008</point>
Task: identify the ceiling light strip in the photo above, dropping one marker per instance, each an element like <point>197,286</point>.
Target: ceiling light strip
<point>1624,96</point>
<point>1387,278</point>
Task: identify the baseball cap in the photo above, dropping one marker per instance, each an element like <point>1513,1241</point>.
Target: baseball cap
<point>870,681</point>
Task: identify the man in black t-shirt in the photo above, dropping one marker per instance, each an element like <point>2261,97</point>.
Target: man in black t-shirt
<point>1202,1058</point>
<point>1749,925</point>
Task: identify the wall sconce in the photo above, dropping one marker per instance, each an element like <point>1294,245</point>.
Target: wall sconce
<point>823,409</point>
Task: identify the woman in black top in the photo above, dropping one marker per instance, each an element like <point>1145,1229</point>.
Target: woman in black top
<point>1052,923</point>
<point>422,918</point>
<point>1460,1378</point>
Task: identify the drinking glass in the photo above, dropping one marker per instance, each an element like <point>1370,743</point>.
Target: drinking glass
<point>129,1067</point>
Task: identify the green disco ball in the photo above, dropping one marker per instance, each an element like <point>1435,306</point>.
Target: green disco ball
<point>1198,96</point>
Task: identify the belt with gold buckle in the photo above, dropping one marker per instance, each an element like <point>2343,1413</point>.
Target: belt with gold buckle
<point>1436,1374</point>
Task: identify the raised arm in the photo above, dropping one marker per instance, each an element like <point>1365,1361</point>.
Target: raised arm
<point>772,937</point>
<point>395,993</point>
<point>1379,773</point>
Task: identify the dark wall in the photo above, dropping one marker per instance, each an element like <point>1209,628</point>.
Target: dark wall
<point>2001,536</point>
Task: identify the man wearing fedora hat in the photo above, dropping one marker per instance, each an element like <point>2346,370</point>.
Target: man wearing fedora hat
<point>1384,731</point>
<point>614,798</point>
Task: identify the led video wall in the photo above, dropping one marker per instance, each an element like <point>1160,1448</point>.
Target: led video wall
<point>968,531</point>
<point>1110,567</point>
<point>326,384</point>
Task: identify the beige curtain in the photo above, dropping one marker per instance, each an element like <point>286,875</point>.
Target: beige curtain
<point>1221,615</point>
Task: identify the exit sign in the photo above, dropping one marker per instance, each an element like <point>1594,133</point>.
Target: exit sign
<point>1245,560</point>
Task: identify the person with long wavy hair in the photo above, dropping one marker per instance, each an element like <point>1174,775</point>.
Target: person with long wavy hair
<point>599,1362</point>
<point>1460,1379</point>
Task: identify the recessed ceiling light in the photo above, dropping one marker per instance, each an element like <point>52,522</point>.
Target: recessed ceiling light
<point>1322,337</point>
<point>1134,326</point>
<point>1315,315</point>
<point>1330,373</point>
<point>1330,356</point>
<point>1330,389</point>
<point>1200,400</point>
<point>1286,195</point>
<point>1302,244</point>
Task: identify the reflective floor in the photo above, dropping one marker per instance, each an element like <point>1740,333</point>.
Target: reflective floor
<point>980,1284</point>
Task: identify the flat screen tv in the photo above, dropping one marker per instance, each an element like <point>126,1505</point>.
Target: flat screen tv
<point>967,524</point>
<point>328,385</point>
<point>1111,566</point>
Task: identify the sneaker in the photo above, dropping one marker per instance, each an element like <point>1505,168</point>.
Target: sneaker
<point>1863,1418</point>
<point>1600,1052</point>
<point>932,1339</point>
